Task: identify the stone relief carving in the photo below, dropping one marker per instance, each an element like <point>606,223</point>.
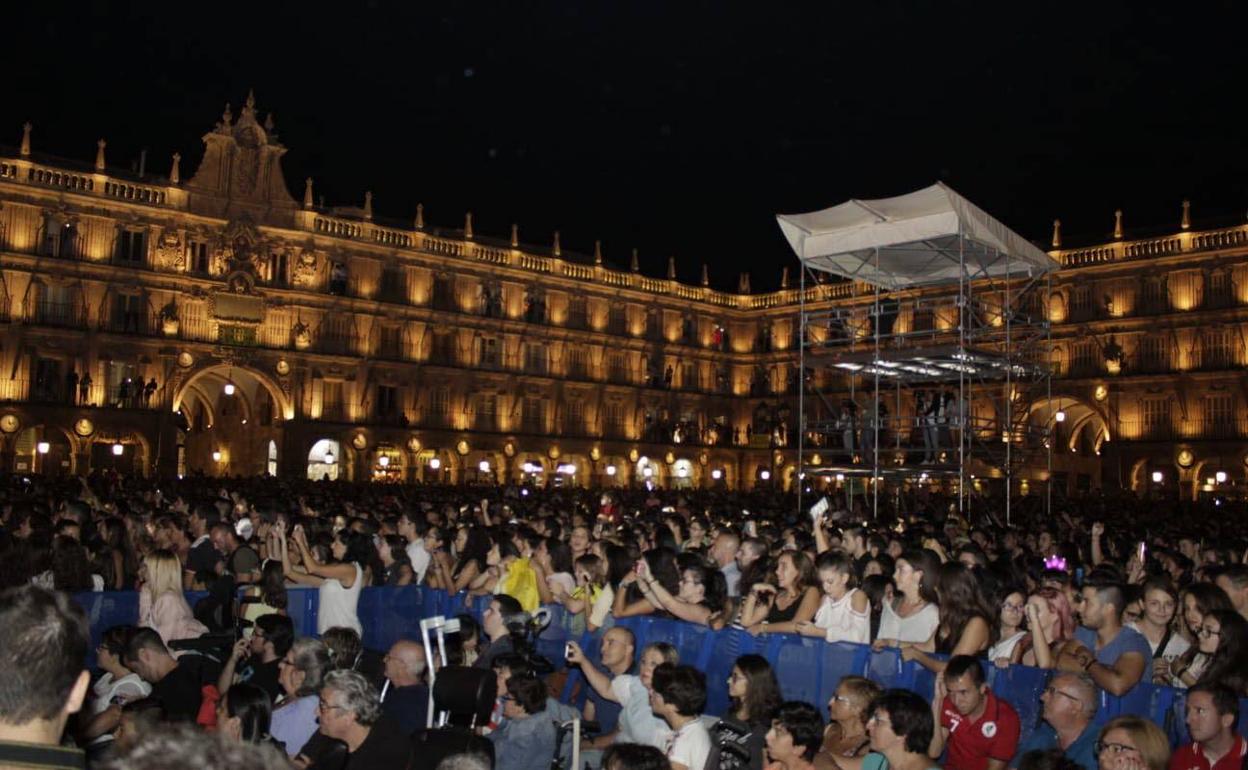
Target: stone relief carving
<point>170,251</point>
<point>307,268</point>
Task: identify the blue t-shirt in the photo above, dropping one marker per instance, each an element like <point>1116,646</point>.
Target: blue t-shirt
<point>1082,752</point>
<point>1127,640</point>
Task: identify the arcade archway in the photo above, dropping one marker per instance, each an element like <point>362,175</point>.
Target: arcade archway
<point>233,417</point>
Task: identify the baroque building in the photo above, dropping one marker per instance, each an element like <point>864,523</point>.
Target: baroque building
<point>218,325</point>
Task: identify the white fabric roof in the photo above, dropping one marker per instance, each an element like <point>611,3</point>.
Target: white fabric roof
<point>916,239</point>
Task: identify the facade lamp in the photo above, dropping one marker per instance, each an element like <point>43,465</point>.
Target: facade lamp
<point>216,455</point>
<point>118,449</point>
<point>1220,477</point>
<point>229,388</point>
<point>43,447</point>
<point>484,466</point>
<point>765,475</point>
<point>1157,477</point>
<point>383,461</point>
<point>717,474</point>
<point>1060,416</point>
<point>610,470</point>
<point>329,457</point>
<point>435,463</point>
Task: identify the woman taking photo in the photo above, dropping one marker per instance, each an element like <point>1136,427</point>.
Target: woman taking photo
<point>472,549</point>
<point>660,565</point>
<point>845,742</point>
<point>737,739</point>
<point>845,613</point>
<point>1051,623</point>
<point>338,582</point>
<point>914,614</point>
<point>792,600</point>
<point>700,598</point>
<point>269,595</point>
<point>162,605</point>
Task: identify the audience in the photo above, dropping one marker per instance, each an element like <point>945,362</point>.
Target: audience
<point>1116,657</point>
<point>176,683</point>
<point>406,699</point>
<point>1070,703</point>
<point>526,739</point>
<point>1212,716</point>
<point>349,710</point>
<point>678,696</point>
<point>978,729</point>
<point>901,729</point>
<point>1132,743</point>
<point>738,738</point>
<point>302,671</point>
<point>794,736</point>
<point>845,741</point>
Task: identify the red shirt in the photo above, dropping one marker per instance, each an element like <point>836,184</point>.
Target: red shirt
<point>972,744</point>
<point>1190,757</point>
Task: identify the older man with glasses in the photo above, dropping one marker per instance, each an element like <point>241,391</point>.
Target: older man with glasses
<point>1070,703</point>
<point>349,710</point>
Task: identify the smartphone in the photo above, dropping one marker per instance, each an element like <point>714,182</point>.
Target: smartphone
<point>567,651</point>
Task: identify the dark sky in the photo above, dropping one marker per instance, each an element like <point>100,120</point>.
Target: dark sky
<point>679,127</point>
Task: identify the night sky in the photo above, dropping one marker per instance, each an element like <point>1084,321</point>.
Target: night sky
<point>679,128</point>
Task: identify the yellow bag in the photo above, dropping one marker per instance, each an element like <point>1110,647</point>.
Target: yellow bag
<point>520,583</point>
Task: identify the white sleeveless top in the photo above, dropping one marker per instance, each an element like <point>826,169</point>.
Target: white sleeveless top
<point>840,621</point>
<point>1005,647</point>
<point>916,629</point>
<point>337,607</point>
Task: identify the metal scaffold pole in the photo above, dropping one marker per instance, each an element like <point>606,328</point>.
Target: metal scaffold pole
<point>801,385</point>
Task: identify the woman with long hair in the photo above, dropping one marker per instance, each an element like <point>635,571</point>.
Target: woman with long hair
<point>845,613</point>
<point>1051,622</point>
<point>440,561</point>
<point>244,714</point>
<point>268,597</point>
<point>913,616</point>
<point>792,600</point>
<point>737,739</point>
<point>1199,600</point>
<point>552,561</point>
<point>1013,639</point>
<point>1224,641</point>
<point>659,564</point>
<point>845,742</point>
<point>71,568</point>
<point>396,564</point>
<point>880,591</point>
<point>472,549</point>
<point>162,605</point>
<point>116,683</point>
<point>591,583</point>
<point>700,599</point>
<point>119,553</point>
<point>338,580</point>
<point>966,626</point>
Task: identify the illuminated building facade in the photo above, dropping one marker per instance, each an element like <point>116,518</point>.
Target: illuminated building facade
<point>217,324</point>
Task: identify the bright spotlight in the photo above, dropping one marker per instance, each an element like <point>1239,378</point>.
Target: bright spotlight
<point>118,449</point>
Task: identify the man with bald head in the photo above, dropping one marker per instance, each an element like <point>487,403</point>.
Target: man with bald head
<point>1070,703</point>
<point>406,697</point>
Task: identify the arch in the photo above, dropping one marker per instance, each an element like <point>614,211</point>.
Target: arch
<point>285,408</point>
<point>1077,415</point>
<point>320,465</point>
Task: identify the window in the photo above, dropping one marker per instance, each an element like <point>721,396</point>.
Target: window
<point>533,418</point>
<point>689,375</point>
<point>574,417</point>
<point>489,353</point>
<point>443,293</point>
<point>578,367</point>
<point>535,358</point>
<point>614,420</point>
<point>391,344</point>
<point>617,320</point>
<point>272,467</point>
<point>1217,349</point>
<point>578,313</point>
<point>1219,409</point>
<point>1154,353</point>
<point>128,313</point>
<point>440,406</point>
<point>487,412</point>
<point>617,368</point>
<point>1154,293</point>
<point>132,246</point>
<point>333,406</point>
<point>197,256</point>
<point>1084,356</point>
<point>387,401</point>
<point>1156,414</point>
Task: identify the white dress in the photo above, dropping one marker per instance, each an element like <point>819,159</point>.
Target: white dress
<point>916,629</point>
<point>841,622</point>
<point>338,604</point>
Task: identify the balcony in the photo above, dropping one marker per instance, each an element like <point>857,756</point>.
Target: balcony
<point>335,410</point>
<point>68,315</point>
<point>1228,427</point>
<point>337,344</point>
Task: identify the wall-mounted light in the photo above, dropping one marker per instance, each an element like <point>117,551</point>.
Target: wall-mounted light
<point>765,475</point>
<point>1157,477</point>
<point>647,471</point>
<point>435,463</point>
<point>1220,477</point>
<point>43,447</point>
<point>717,474</point>
<point>610,470</point>
<point>118,449</point>
<point>1060,416</point>
<point>383,461</point>
<point>216,456</point>
<point>484,466</point>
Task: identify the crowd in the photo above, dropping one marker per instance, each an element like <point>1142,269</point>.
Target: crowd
<point>1107,593</point>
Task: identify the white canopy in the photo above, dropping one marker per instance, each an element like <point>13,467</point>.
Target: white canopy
<point>929,236</point>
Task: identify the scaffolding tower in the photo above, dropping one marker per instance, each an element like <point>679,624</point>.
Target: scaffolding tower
<point>936,375</point>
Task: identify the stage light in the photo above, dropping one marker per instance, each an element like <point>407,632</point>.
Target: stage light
<point>118,449</point>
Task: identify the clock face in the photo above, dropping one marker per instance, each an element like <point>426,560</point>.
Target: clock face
<point>283,368</point>
<point>509,449</point>
<point>359,441</point>
<point>1185,458</point>
<point>185,360</point>
<point>9,423</point>
<point>84,427</point>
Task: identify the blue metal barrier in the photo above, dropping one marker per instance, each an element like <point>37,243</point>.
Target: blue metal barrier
<point>807,668</point>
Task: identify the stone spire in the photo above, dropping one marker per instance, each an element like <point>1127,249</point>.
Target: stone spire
<point>1057,234</point>
<point>671,268</point>
<point>1186,221</point>
<point>743,284</point>
<point>784,277</point>
<point>368,205</point>
<point>706,276</point>
<point>635,265</point>
<point>175,173</point>
<point>26,127</point>
<point>515,235</point>
<point>557,249</point>
<point>99,155</point>
<point>1118,225</point>
<point>420,216</point>
<point>307,193</point>
<point>269,123</point>
<point>227,117</point>
<point>468,226</point>
<point>597,252</point>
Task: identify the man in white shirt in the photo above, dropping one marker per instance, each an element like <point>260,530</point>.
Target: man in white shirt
<point>678,695</point>
<point>724,552</point>
<point>412,528</point>
<point>637,722</point>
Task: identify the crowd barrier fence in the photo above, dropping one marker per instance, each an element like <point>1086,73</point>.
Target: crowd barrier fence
<point>807,668</point>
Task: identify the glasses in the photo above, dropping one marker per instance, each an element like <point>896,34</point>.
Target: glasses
<point>323,706</point>
<point>840,699</point>
<point>1207,632</point>
<point>1113,748</point>
<point>1013,607</point>
<point>1050,690</point>
<point>879,720</point>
